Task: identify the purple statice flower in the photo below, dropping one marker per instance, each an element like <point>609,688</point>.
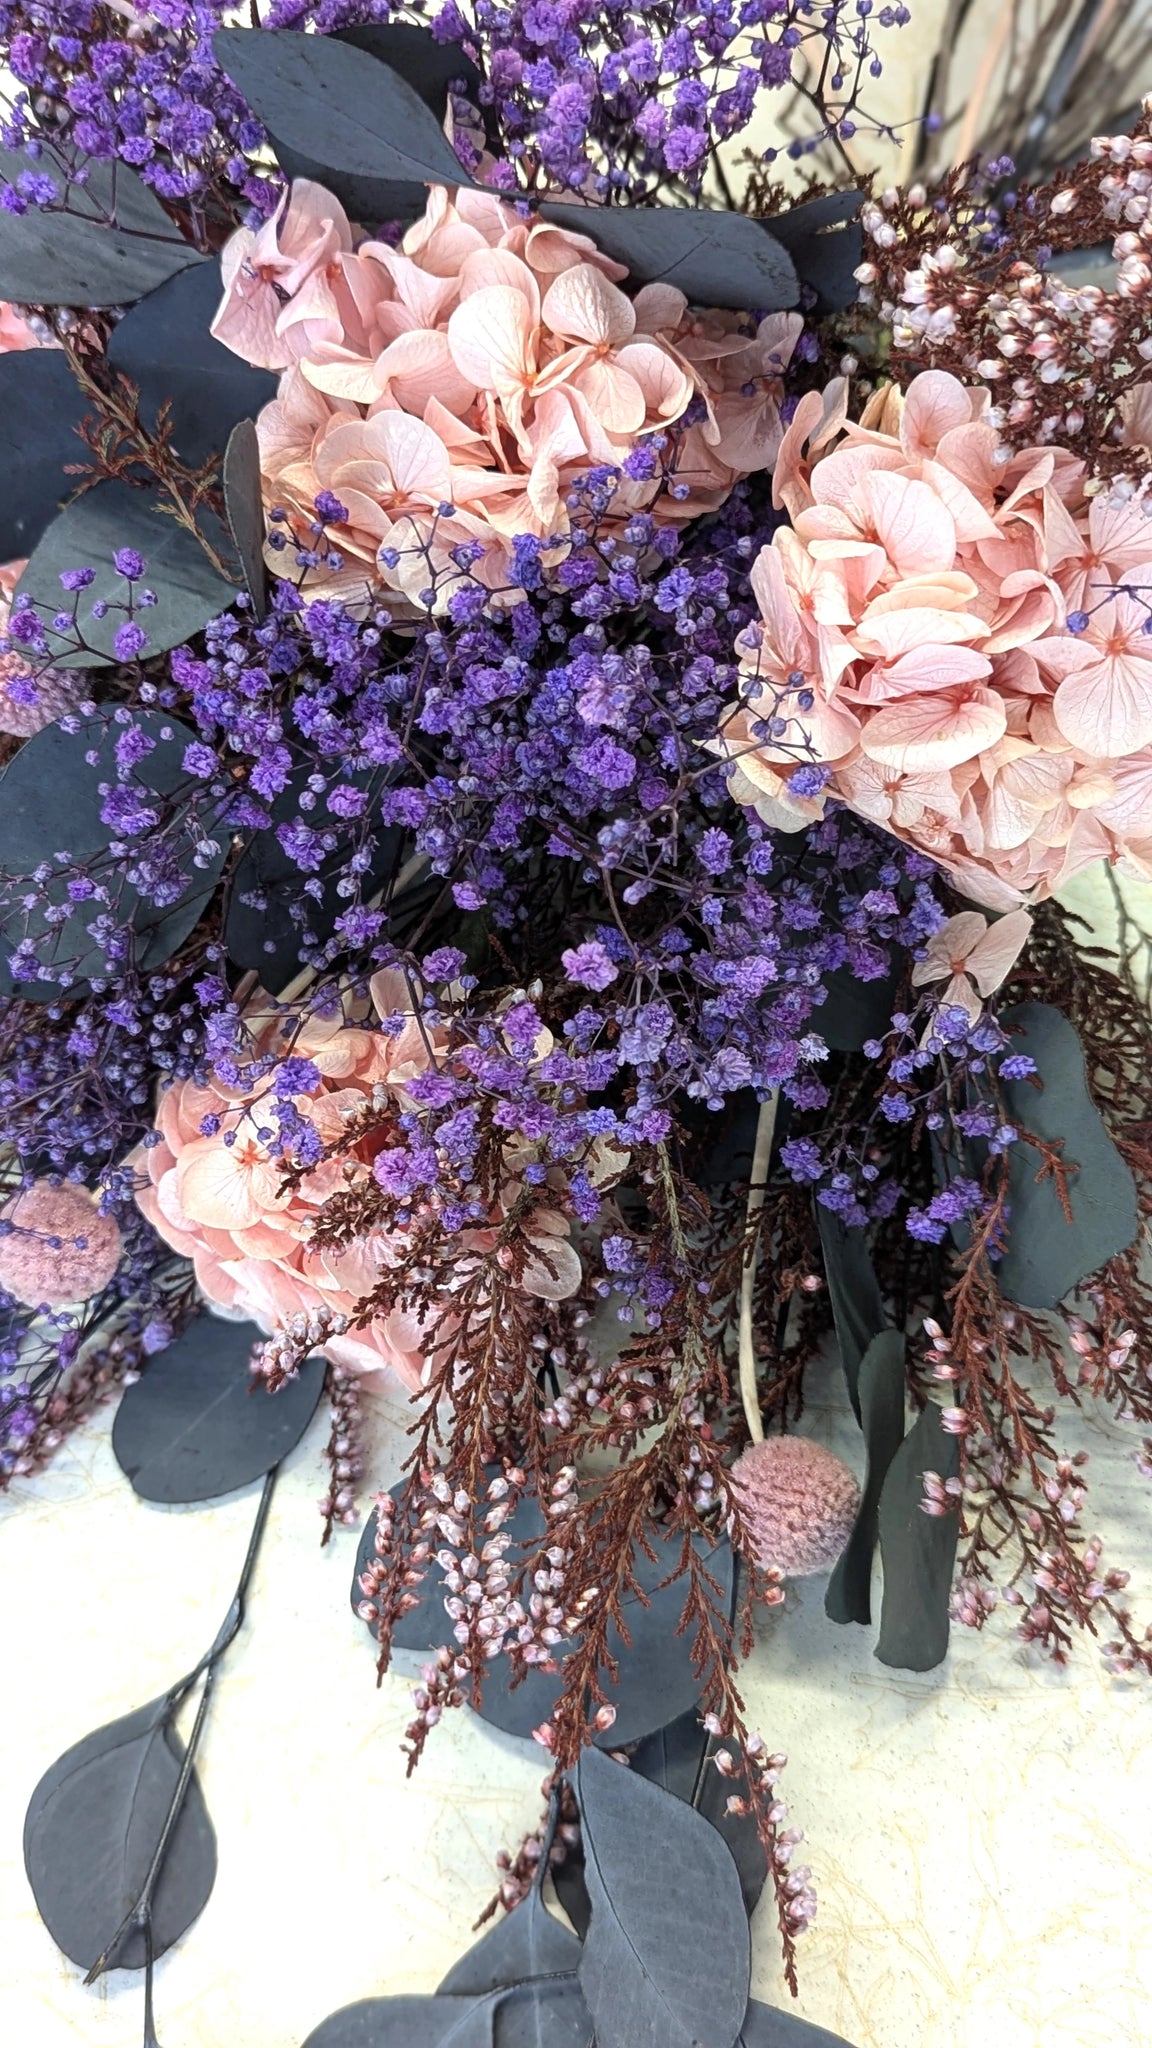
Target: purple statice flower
<point>589,965</point>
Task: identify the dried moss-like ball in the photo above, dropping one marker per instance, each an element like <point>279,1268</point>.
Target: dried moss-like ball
<point>52,693</point>
<point>797,1503</point>
<point>55,1246</point>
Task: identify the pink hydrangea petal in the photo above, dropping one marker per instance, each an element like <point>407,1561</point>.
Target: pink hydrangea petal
<point>936,732</point>
<point>994,955</point>
<point>552,1271</point>
<point>582,305</point>
<point>951,944</point>
<point>492,339</point>
<point>1106,710</point>
<point>894,632</point>
<point>350,377</point>
<point>915,530</point>
<point>934,404</point>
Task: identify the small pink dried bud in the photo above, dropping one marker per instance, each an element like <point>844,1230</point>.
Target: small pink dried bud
<point>545,1735</point>
<point>604,1718</point>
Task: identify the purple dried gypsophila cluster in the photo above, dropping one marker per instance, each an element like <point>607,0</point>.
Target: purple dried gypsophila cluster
<point>618,103</point>
<point>568,740</point>
<point>940,1066</point>
<point>150,93</point>
<point>37,1346</point>
<point>77,1089</point>
<point>623,103</point>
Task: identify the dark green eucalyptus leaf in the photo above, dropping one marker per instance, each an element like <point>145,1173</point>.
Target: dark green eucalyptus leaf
<point>813,216</point>
<point>189,590</point>
<point>430,67</point>
<point>656,1674</point>
<point>42,407</point>
<point>657,1680</point>
<point>196,1425</point>
<point>109,244</point>
<point>717,259</point>
<point>854,1010</point>
<point>854,1291</point>
<point>543,2015</point>
<point>524,1944</point>
<point>164,346</point>
<point>408,2023</point>
<point>825,242</point>
<point>50,803</point>
<point>918,1551</point>
<point>881,1394</point>
<point>678,1758</point>
<point>667,1964</point>
<point>766,2027</point>
<point>321,101</point>
<point>92,1828</point>
<point>1047,1256</point>
<point>244,505</point>
<point>266,911</point>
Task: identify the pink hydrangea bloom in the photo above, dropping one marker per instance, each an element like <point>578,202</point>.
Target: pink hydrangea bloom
<point>15,333</point>
<point>797,1503</point>
<point>482,366</point>
<point>914,637</point>
<point>217,1197</point>
<point>59,1249</point>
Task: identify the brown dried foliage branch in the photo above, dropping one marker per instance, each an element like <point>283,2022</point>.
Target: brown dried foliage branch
<point>531,1400</point>
<point>955,283</point>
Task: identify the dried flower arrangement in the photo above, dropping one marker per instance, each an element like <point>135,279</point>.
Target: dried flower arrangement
<point>515,676</point>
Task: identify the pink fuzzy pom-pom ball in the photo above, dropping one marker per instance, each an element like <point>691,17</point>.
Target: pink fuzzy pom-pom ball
<point>797,1503</point>
<point>52,694</point>
<point>61,1249</point>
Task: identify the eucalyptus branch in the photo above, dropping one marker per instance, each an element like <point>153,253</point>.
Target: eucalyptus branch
<point>138,1918</point>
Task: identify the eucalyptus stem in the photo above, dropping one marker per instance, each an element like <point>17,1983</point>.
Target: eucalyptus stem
<point>139,1914</point>
<point>761,1160</point>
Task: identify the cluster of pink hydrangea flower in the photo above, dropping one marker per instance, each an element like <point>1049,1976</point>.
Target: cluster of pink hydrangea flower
<point>959,635</point>
<point>216,1191</point>
<point>447,393</point>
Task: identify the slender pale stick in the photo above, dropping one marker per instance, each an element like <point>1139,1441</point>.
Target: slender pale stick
<point>761,1160</point>
<point>993,54</point>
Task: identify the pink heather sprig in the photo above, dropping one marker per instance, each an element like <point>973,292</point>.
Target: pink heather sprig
<point>794,1889</point>
<point>495,1608</point>
<point>344,1450</point>
<point>282,1354</point>
<point>975,288</point>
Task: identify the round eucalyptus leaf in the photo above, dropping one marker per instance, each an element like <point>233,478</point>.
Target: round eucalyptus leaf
<point>657,1679</point>
<point>717,259</point>
<point>41,407</point>
<point>50,803</point>
<point>86,535</point>
<point>319,99</point>
<point>108,243</point>
<point>196,1424</point>
<point>164,346</point>
<point>93,1825</point>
